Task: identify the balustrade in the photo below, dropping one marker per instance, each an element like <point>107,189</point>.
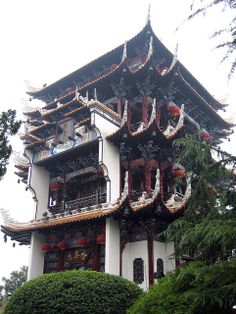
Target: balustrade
<point>82,202</point>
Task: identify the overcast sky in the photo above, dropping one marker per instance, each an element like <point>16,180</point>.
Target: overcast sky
<point>42,41</point>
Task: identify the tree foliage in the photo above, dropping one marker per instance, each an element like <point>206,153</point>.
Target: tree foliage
<point>8,126</point>
<point>17,278</point>
<point>229,32</point>
<point>196,288</point>
<point>74,291</point>
<point>207,228</point>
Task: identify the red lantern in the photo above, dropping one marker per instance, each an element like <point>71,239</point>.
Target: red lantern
<point>100,239</point>
<point>55,186</point>
<point>174,111</point>
<point>113,66</point>
<point>46,247</point>
<point>178,171</point>
<point>205,136</point>
<point>62,245</point>
<point>82,242</point>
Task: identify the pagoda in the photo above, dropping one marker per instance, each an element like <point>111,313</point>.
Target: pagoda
<point>100,163</point>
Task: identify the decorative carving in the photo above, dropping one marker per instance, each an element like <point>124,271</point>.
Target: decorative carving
<point>149,151</point>
<point>146,87</point>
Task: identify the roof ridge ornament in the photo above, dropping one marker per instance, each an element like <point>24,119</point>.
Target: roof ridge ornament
<point>150,49</point>
<point>124,54</point>
<point>148,20</point>
<point>125,114</point>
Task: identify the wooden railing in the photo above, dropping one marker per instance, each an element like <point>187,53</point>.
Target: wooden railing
<point>79,203</point>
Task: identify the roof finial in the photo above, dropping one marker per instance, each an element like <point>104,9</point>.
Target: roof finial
<point>148,15</point>
<point>124,55</point>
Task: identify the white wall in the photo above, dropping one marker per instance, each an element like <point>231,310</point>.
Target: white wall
<point>40,183</point>
<point>112,252</point>
<point>164,251</point>
<point>132,251</point>
<point>36,261</point>
<point>109,155</point>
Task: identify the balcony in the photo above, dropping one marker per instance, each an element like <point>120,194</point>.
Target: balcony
<point>51,149</point>
<point>76,204</point>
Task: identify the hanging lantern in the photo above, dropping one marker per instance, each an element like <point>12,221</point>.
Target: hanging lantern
<point>62,245</point>
<point>113,66</point>
<point>55,186</point>
<point>46,247</point>
<point>178,171</point>
<point>100,239</point>
<point>205,136</point>
<point>82,242</point>
<point>174,111</point>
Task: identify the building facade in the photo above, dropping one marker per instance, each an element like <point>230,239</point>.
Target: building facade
<point>100,163</point>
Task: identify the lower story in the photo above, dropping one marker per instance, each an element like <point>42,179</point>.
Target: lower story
<point>128,248</point>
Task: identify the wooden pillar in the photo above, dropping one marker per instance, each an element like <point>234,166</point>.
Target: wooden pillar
<point>129,115</point>
<point>60,255</point>
<point>147,176</point>
<point>130,182</point>
<point>96,260</point>
<point>161,181</point>
<point>158,117</point>
<point>119,106</point>
<point>150,259</point>
<point>145,110</point>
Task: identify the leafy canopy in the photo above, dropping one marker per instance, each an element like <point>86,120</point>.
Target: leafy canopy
<point>195,288</point>
<point>17,278</point>
<point>207,228</point>
<point>75,291</point>
<point>8,126</point>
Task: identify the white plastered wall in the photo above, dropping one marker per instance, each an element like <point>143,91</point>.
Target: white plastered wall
<point>36,259</point>
<point>112,253</point>
<point>108,153</point>
<point>164,251</point>
<point>39,181</point>
<point>132,251</point>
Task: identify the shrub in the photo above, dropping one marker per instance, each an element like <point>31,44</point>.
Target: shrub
<point>196,288</point>
<point>76,291</point>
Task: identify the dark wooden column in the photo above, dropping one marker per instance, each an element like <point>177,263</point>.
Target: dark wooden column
<point>147,176</point>
<point>150,258</point>
<point>119,106</point>
<point>145,109</point>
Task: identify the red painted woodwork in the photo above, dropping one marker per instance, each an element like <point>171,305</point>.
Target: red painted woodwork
<point>55,186</point>
<point>179,173</point>
<point>119,106</point>
<point>82,242</point>
<point>145,110</point>
<point>150,260</point>
<point>158,117</point>
<point>205,136</point>
<point>62,245</point>
<point>147,177</point>
<point>100,239</point>
<point>139,162</point>
<point>174,111</point>
<point>46,247</point>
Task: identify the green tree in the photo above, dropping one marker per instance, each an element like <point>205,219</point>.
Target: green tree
<point>8,126</point>
<point>194,289</point>
<point>17,278</point>
<point>207,228</point>
<point>206,233</point>
<point>228,33</point>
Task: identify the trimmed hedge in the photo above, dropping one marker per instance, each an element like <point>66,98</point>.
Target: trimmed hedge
<point>194,289</point>
<point>75,291</point>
